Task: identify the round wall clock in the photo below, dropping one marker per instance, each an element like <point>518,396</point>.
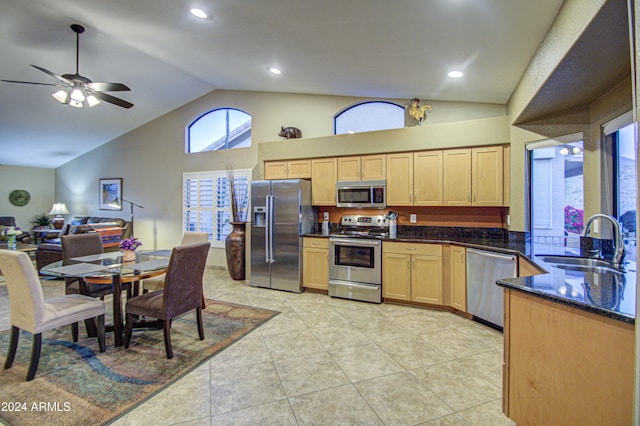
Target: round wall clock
<point>19,197</point>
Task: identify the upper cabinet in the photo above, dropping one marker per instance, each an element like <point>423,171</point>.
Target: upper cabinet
<point>292,169</point>
<point>473,177</point>
<point>414,179</point>
<point>324,174</point>
<point>365,167</point>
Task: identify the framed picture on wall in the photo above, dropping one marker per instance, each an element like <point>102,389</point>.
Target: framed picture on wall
<point>110,194</point>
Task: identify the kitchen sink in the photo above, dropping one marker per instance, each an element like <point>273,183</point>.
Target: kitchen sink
<point>580,264</point>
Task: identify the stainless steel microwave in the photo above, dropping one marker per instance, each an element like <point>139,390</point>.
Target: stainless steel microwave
<point>361,194</point>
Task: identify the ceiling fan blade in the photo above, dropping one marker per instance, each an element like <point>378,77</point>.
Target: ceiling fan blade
<point>112,100</point>
<point>54,75</point>
<point>31,82</point>
<point>108,87</point>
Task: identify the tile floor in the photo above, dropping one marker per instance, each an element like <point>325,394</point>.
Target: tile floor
<point>326,361</point>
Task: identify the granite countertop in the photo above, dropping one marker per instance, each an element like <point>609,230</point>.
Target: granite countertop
<point>606,294</point>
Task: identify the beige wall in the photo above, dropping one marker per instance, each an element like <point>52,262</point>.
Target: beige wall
<point>151,158</point>
<point>40,183</point>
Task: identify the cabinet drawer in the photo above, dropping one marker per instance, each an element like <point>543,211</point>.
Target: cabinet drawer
<point>315,242</point>
<point>412,248</point>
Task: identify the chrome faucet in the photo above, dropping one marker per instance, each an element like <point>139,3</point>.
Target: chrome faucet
<point>617,236</point>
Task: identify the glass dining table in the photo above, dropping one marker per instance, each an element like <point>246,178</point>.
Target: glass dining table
<point>110,269</point>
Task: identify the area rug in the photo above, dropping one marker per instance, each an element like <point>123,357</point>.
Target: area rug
<point>77,385</point>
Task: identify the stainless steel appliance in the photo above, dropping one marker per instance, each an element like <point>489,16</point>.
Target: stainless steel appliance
<point>361,194</point>
<point>484,296</point>
<point>355,258</point>
<point>281,213</point>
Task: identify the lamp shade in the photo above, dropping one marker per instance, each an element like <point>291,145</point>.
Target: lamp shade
<point>58,209</point>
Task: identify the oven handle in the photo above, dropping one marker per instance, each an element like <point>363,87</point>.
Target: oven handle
<point>354,242</point>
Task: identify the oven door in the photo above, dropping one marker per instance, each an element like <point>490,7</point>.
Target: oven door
<point>355,260</point>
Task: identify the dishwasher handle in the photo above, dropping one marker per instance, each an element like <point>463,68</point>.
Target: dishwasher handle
<point>492,254</point>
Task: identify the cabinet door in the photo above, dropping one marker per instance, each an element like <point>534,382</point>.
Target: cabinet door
<point>426,279</point>
<point>487,181</point>
<point>323,181</point>
<point>275,170</point>
<point>457,177</point>
<point>374,167</point>
<point>299,169</point>
<point>427,178</point>
<point>396,276</point>
<point>400,179</point>
<point>506,176</point>
<point>349,168</point>
<point>458,277</point>
<point>315,264</point>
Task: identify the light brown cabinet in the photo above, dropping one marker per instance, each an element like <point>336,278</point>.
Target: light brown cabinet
<point>324,174</point>
<point>473,177</point>
<point>458,277</point>
<point>315,263</point>
<point>292,169</point>
<point>414,179</point>
<point>412,272</point>
<point>565,366</point>
<point>362,167</point>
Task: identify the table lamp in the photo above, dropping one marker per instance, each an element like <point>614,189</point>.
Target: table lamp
<point>58,210</point>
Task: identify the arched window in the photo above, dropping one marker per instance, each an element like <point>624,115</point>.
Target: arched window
<point>222,128</point>
<point>368,116</point>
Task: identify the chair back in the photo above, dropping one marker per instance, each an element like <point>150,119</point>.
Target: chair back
<point>183,281</point>
<point>80,245</point>
<point>194,237</point>
<point>26,299</point>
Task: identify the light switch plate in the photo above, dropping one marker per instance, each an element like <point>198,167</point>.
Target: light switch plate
<point>412,218</point>
<point>325,215</point>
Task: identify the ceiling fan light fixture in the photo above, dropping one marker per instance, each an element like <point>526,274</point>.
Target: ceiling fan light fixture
<point>76,104</point>
<point>61,96</point>
<point>77,95</point>
<point>92,101</point>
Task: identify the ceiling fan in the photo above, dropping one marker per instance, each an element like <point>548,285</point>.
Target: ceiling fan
<point>76,90</point>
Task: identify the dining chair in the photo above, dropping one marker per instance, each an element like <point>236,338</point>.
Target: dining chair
<point>31,312</point>
<point>77,245</point>
<point>157,283</point>
<point>182,293</point>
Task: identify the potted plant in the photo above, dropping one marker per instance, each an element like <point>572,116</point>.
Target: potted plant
<point>41,220</point>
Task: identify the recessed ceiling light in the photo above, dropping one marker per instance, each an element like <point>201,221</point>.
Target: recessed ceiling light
<point>275,70</point>
<point>199,13</point>
<point>455,74</point>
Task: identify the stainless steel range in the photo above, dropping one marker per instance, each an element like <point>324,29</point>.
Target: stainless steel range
<point>355,264</point>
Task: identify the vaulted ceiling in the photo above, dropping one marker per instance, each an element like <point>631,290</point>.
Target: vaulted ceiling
<point>380,49</point>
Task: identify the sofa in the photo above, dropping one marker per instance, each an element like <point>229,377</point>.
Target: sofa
<point>10,221</point>
<point>112,230</point>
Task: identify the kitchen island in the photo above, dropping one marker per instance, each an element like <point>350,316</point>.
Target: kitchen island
<point>569,347</point>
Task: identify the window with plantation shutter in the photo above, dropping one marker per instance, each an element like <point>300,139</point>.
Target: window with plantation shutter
<point>206,202</point>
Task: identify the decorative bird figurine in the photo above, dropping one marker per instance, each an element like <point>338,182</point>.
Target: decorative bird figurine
<point>417,112</point>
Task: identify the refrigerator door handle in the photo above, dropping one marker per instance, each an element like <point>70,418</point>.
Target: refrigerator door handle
<point>267,231</point>
<point>270,221</point>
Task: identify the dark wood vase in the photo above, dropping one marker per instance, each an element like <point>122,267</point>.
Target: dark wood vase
<point>235,250</point>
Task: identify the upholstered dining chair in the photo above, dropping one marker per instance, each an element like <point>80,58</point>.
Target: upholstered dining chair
<point>182,293</point>
<point>78,245</point>
<point>157,283</point>
<point>31,312</point>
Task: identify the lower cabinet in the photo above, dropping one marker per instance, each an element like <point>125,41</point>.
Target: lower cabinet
<point>458,277</point>
<point>412,272</point>
<point>315,263</point>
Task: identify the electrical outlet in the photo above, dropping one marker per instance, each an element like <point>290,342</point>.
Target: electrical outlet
<point>596,226</point>
<point>325,216</point>
<point>412,218</point>
<point>508,220</point>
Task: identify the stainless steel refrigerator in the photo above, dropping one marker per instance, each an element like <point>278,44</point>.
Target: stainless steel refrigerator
<point>281,214</point>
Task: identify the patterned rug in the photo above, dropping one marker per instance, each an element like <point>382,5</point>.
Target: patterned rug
<point>77,385</point>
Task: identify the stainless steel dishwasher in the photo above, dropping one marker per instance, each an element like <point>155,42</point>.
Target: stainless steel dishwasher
<point>484,296</point>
